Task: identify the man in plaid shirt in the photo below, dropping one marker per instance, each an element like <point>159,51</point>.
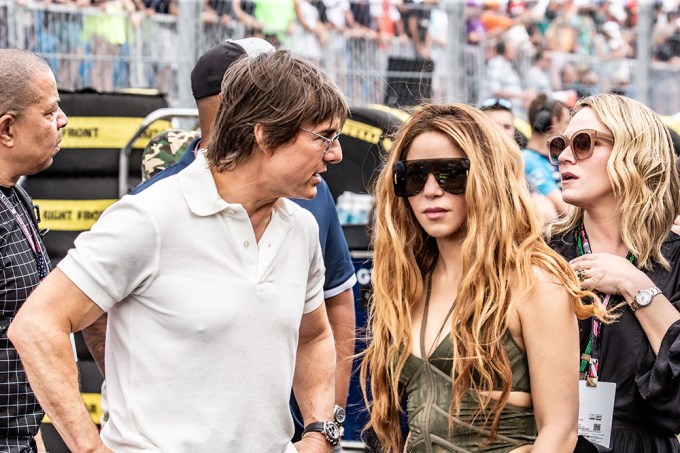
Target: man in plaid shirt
<point>30,134</point>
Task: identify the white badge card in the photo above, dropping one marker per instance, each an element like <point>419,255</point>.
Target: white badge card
<point>596,411</point>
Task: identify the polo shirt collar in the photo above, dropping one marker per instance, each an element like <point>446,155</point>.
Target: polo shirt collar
<point>198,187</point>
<point>200,191</point>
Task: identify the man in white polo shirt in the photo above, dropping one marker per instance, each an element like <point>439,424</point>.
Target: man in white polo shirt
<point>206,366</point>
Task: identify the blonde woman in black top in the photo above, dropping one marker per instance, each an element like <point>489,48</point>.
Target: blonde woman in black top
<point>618,172</point>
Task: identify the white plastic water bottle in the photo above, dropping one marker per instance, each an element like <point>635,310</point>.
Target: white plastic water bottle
<point>344,207</point>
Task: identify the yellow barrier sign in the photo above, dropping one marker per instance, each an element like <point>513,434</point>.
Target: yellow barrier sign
<point>107,132</point>
<point>362,131</point>
<point>71,215</point>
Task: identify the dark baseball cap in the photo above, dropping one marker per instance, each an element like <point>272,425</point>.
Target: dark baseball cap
<point>206,77</point>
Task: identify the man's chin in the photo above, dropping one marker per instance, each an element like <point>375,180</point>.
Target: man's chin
<point>307,194</point>
<point>48,163</point>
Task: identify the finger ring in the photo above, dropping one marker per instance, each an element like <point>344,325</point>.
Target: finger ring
<point>581,274</point>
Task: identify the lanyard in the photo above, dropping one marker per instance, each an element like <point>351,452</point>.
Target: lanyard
<point>31,236</point>
<point>590,358</point>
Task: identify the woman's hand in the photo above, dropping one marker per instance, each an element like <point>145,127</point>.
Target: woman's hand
<point>610,274</point>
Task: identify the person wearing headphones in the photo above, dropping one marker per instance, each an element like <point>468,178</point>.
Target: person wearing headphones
<point>499,110</point>
<point>546,117</point>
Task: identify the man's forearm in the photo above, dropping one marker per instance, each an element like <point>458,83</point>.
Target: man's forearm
<point>40,333</point>
<point>95,339</point>
<point>314,379</point>
<point>47,357</point>
<point>341,316</point>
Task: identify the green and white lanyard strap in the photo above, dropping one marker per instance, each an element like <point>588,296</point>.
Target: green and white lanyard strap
<point>590,358</point>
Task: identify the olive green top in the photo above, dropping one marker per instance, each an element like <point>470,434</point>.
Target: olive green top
<point>428,390</point>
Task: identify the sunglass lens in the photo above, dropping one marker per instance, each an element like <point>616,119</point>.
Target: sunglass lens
<point>452,177</point>
<point>581,144</point>
<point>416,176</point>
<point>556,146</point>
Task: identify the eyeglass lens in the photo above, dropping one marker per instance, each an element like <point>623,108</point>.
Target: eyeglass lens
<point>330,142</point>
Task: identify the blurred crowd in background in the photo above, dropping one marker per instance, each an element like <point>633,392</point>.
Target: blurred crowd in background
<point>514,49</point>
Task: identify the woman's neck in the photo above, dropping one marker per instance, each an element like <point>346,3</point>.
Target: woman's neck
<point>604,232</point>
<point>449,264</point>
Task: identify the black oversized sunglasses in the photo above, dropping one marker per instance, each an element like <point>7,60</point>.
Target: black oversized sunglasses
<point>581,143</point>
<point>410,176</point>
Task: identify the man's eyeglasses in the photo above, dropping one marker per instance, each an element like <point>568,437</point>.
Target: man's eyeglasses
<point>496,104</point>
<point>581,143</point>
<point>329,141</point>
<point>409,176</point>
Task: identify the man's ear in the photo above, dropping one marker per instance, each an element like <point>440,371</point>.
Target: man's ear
<point>7,123</point>
<point>258,130</point>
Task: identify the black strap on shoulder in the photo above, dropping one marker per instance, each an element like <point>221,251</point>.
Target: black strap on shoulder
<point>33,210</point>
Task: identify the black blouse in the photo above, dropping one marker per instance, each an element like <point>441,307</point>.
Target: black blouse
<point>647,386</point>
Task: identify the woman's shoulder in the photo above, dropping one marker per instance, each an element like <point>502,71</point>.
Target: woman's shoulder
<point>545,292</point>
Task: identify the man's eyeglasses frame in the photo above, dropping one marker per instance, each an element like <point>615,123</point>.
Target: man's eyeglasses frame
<point>329,141</point>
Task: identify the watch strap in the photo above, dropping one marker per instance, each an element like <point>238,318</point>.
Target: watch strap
<point>316,427</point>
<point>634,305</point>
<point>329,429</point>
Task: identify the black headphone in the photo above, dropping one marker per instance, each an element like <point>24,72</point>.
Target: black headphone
<point>543,118</point>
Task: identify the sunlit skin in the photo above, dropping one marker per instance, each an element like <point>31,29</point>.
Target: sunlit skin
<point>586,183</point>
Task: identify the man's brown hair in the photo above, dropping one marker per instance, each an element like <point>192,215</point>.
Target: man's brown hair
<point>276,90</point>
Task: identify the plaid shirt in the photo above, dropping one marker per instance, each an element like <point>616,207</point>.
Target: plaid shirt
<point>20,413</point>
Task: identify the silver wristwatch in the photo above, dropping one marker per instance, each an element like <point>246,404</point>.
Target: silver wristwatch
<point>339,415</point>
<point>643,298</point>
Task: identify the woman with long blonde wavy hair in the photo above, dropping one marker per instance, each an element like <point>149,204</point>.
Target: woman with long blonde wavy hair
<point>618,172</point>
<point>473,321</point>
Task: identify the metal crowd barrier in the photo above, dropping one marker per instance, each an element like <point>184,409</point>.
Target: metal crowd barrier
<point>107,50</point>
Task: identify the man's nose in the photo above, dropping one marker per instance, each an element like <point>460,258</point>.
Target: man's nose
<point>62,120</point>
<point>334,154</point>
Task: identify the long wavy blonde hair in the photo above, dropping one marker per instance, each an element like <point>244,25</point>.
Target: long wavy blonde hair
<point>643,175</point>
<point>502,245</point>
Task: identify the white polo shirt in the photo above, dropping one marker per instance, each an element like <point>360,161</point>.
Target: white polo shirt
<point>203,320</point>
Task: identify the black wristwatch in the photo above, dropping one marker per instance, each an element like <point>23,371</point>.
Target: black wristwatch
<point>328,429</point>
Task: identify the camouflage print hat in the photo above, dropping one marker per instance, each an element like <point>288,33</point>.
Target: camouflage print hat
<point>164,150</point>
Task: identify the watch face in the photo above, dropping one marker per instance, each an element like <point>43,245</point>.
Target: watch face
<point>339,414</point>
<point>643,298</point>
<point>332,431</point>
